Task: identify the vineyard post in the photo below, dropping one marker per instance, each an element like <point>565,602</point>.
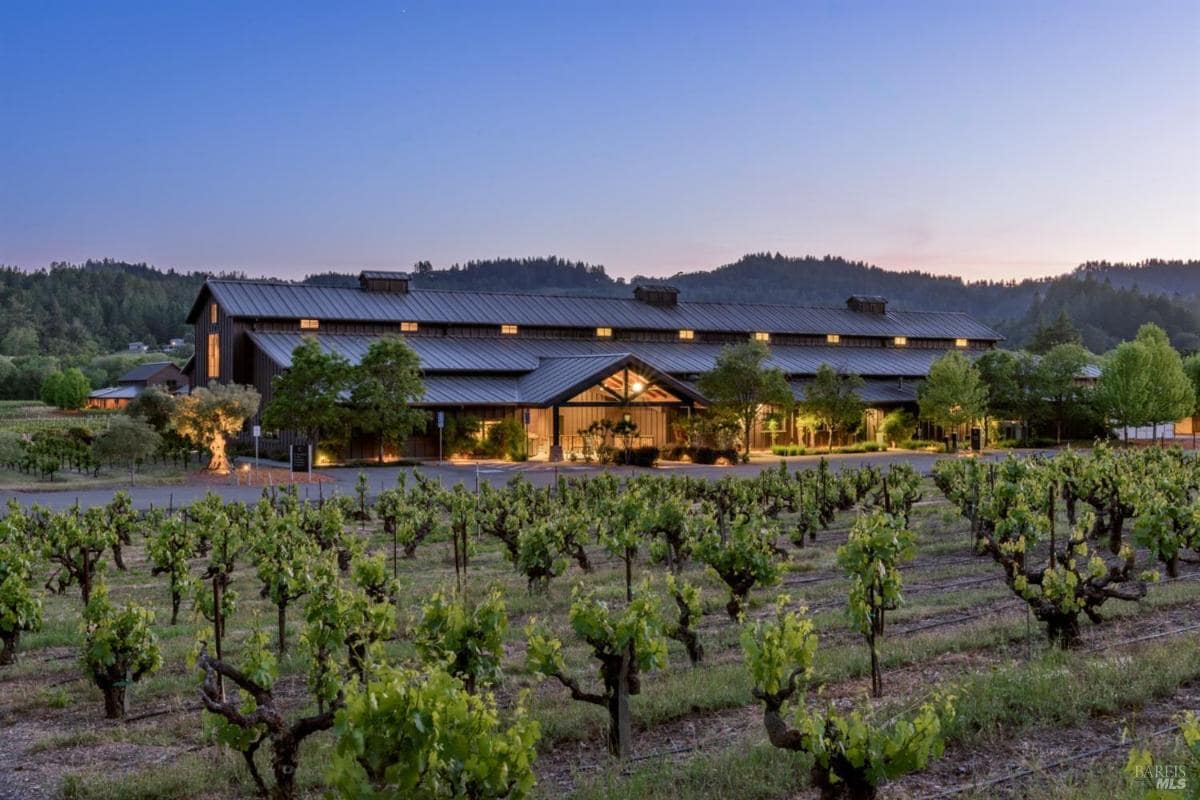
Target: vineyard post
<point>217,625</point>
<point>1050,514</point>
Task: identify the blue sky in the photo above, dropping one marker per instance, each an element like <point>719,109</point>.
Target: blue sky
<point>989,140</point>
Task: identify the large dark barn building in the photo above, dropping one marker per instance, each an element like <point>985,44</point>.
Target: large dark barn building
<point>561,362</point>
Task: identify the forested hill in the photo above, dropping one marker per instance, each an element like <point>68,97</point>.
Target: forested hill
<point>104,305</point>
<point>98,306</point>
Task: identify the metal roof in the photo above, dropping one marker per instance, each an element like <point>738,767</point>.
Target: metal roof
<point>144,372</point>
<point>383,274</point>
<point>871,392</point>
<point>557,376</point>
<point>115,393</point>
<point>274,300</point>
<point>460,354</point>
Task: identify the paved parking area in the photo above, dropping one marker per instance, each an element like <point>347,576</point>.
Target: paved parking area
<point>467,473</point>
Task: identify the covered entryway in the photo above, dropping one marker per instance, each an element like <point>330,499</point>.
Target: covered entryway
<point>616,395</point>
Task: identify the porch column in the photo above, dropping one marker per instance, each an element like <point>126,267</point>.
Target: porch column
<point>556,451</point>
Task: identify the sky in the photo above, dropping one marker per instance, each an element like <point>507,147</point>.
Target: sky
<point>989,140</point>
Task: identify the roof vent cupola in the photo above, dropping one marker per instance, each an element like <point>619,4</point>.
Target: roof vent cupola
<point>383,282</point>
<point>656,294</point>
<point>867,303</point>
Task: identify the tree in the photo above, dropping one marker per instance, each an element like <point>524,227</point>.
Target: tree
<point>384,385</point>
<point>1123,391</point>
<point>1192,367</point>
<point>1057,380</point>
<point>832,399</point>
<point>421,735</point>
<point>1061,331</point>
<point>154,405</point>
<point>741,384</point>
<point>21,340</point>
<point>51,389</point>
<point>953,395</point>
<point>898,426</point>
<point>307,395</point>
<point>1172,396</point>
<point>1009,378</point>
<point>67,390</point>
<point>120,648</point>
<point>207,415</point>
<point>127,439</point>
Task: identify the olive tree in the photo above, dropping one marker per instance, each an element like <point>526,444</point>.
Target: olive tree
<point>208,415</point>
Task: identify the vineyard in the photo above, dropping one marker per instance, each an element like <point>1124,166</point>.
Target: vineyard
<point>1021,628</point>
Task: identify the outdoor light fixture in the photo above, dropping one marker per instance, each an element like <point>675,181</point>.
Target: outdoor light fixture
<point>637,387</point>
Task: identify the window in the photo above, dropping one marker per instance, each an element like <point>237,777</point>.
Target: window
<point>409,327</point>
<point>214,355</point>
<point>900,341</point>
<point>686,335</point>
<point>508,330</point>
<point>762,336</point>
<point>604,333</point>
<point>212,313</point>
<point>960,342</point>
<point>309,324</point>
<point>833,338</point>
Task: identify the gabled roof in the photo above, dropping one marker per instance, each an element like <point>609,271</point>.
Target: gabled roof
<point>557,380</point>
<point>458,354</point>
<point>276,300</point>
<point>144,372</point>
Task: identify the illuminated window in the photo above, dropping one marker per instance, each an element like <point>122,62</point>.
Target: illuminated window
<point>900,341</point>
<point>508,330</point>
<point>604,333</point>
<point>687,335</point>
<point>960,342</point>
<point>214,355</point>
<point>762,336</point>
<point>832,338</point>
<point>309,324</point>
<point>212,313</point>
<point>409,327</point>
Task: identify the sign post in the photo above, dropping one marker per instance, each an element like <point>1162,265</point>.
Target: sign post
<point>441,423</point>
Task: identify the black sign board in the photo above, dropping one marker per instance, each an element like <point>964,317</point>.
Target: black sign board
<point>300,458</point>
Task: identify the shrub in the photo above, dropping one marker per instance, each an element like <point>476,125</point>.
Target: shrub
<point>646,456</point>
